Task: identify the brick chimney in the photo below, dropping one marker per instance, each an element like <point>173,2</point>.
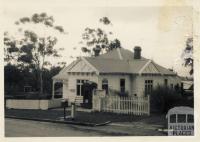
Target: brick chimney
<point>97,51</point>
<point>137,52</point>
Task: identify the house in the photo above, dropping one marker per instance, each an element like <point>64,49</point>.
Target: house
<point>119,70</point>
<point>187,85</point>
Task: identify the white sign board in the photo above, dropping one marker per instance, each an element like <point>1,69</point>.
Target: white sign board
<point>180,121</point>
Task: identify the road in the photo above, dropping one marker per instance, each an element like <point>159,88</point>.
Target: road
<point>26,128</point>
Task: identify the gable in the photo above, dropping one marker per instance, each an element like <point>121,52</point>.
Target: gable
<point>81,66</point>
<point>150,69</point>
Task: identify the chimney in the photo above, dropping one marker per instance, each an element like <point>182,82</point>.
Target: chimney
<point>96,51</point>
<point>137,52</point>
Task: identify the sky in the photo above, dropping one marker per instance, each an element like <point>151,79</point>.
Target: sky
<point>160,27</point>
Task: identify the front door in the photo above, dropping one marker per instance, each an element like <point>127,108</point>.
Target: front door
<point>88,88</point>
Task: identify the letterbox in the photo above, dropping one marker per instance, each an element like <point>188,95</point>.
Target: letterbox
<point>64,103</point>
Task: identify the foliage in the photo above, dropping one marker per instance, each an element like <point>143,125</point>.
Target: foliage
<point>32,51</point>
<point>188,55</point>
<point>11,52</point>
<point>48,74</point>
<point>15,79</point>
<point>96,40</point>
<point>117,92</point>
<point>164,98</point>
<point>41,18</point>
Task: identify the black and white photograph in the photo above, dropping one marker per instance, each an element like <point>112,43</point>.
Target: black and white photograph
<point>98,69</point>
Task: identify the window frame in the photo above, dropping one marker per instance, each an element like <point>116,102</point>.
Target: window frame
<point>79,84</point>
<point>148,85</point>
<point>122,88</point>
<point>166,82</point>
<point>104,85</point>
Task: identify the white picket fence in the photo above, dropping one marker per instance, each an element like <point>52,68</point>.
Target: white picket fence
<point>122,105</point>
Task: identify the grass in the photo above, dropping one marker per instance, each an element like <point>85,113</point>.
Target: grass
<point>92,117</point>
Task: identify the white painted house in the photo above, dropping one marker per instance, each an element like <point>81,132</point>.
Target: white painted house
<point>120,70</point>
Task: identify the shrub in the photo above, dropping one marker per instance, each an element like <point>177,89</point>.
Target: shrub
<point>125,94</point>
<point>30,96</point>
<point>118,93</point>
<point>164,98</point>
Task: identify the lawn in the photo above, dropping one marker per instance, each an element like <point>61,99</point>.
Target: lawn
<point>89,117</point>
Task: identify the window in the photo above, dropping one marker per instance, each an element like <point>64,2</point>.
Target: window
<point>148,86</point>
<point>173,118</point>
<point>122,85</point>
<point>181,118</point>
<point>190,118</point>
<point>79,87</point>
<point>58,87</point>
<point>166,82</point>
<point>105,85</point>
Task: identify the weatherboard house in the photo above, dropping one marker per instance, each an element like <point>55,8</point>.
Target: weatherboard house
<point>120,70</point>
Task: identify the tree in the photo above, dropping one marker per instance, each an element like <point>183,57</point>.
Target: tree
<point>188,55</point>
<point>164,98</point>
<point>96,40</point>
<point>11,52</point>
<point>48,74</point>
<point>31,50</point>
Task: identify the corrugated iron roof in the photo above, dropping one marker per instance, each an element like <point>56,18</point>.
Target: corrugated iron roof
<point>109,65</point>
<point>113,62</point>
<point>119,54</point>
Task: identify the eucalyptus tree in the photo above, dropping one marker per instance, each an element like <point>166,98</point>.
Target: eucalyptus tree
<point>188,55</point>
<point>30,50</point>
<point>96,40</point>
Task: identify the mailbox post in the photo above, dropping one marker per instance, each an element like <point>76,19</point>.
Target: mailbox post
<point>73,111</point>
<point>64,104</point>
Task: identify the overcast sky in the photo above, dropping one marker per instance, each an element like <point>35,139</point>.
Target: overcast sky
<point>161,30</point>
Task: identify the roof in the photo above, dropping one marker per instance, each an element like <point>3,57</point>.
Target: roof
<point>119,60</point>
<point>188,85</point>
<point>180,110</point>
<point>62,74</point>
<point>119,54</point>
<point>109,65</point>
<point>122,61</point>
